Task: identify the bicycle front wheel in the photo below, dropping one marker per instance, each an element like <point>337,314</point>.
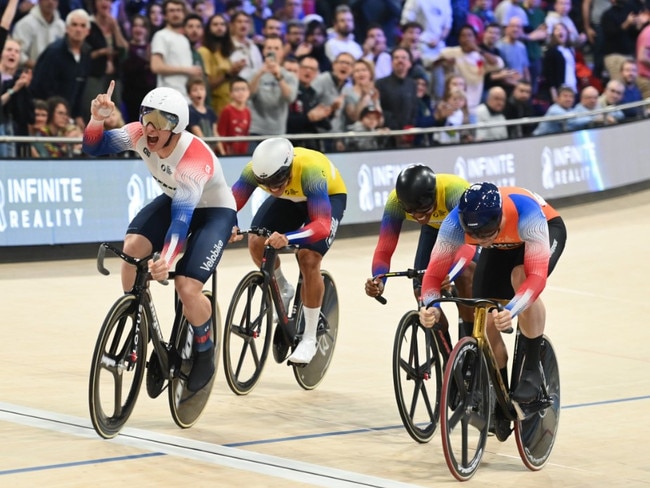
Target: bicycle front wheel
<point>247,333</point>
<point>118,366</point>
<point>312,374</point>
<point>417,377</point>
<point>465,409</point>
<point>187,406</point>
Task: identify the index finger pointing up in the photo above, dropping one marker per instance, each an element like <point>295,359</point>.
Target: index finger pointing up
<point>111,87</point>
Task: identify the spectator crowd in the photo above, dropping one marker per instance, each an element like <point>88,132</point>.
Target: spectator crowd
<point>271,67</point>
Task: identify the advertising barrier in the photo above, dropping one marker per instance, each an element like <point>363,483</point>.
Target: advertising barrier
<point>78,201</point>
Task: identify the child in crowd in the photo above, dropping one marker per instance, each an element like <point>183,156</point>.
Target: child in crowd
<point>203,119</point>
<point>370,120</point>
<point>235,119</point>
<point>455,100</point>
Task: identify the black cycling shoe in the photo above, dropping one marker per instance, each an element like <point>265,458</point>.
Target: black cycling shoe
<point>528,387</point>
<point>202,370</point>
<point>500,425</point>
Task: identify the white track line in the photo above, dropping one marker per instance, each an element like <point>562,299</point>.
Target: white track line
<point>199,451</point>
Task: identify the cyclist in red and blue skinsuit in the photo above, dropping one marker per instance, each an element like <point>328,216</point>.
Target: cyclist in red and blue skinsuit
<point>195,213</point>
<point>521,238</point>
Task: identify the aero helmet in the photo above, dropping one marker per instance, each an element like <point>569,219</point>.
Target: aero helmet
<point>166,109</point>
<point>272,160</point>
<point>480,210</point>
<point>416,188</point>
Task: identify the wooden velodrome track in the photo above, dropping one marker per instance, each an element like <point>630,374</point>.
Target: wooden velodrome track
<point>347,432</point>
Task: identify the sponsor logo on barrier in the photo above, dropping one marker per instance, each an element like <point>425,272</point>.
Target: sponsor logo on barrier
<point>140,192</point>
<point>375,183</point>
<point>500,169</point>
<point>38,203</point>
<point>566,165</point>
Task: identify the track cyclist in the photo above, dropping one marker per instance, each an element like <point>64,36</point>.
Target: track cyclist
<point>305,207</point>
<point>194,214</point>
<point>521,238</point>
<point>424,197</point>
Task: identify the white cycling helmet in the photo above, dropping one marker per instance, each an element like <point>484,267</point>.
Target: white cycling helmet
<point>166,109</point>
<point>272,161</point>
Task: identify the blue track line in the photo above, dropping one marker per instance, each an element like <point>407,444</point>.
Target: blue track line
<point>279,439</point>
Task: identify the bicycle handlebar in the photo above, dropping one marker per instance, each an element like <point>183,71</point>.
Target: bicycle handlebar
<point>137,262</point>
<point>472,302</point>
<point>409,273</point>
<point>264,232</point>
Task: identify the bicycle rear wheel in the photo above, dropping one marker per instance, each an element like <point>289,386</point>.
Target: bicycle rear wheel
<point>187,406</point>
<point>312,374</point>
<point>417,377</point>
<point>247,334</point>
<point>535,435</point>
<point>465,409</point>
<point>117,367</point>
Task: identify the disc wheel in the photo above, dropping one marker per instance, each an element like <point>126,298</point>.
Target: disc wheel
<point>117,367</point>
<point>465,409</point>
<point>417,377</point>
<point>187,406</point>
<point>535,435</point>
<point>247,333</point>
<point>312,374</point>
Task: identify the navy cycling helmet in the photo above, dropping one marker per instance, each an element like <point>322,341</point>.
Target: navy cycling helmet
<point>480,210</point>
<point>416,189</point>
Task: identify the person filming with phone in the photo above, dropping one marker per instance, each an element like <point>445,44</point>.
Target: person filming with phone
<point>273,89</point>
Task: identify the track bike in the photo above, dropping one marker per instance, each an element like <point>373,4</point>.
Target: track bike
<point>419,356</point>
<point>119,359</point>
<point>249,334</point>
<point>472,385</point>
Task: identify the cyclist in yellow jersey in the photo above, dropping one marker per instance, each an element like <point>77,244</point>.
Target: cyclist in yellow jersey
<point>424,197</point>
<point>306,204</point>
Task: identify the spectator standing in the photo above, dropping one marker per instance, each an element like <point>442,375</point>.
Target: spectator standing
<point>560,15</point>
<point>491,112</point>
<point>215,51</point>
<point>620,24</point>
<point>398,95</point>
<point>518,106</point>
<point>374,49</point>
<point>504,77</point>
<point>329,88</point>
<point>362,92</point>
<point>107,50</point>
<point>629,75</point>
<point>156,18</point>
<point>17,112</point>
<point>508,9</point>
<point>244,49</point>
<point>171,52</point>
<point>450,112</point>
<point>292,10</point>
<point>307,115</point>
<point>592,12</point>
<point>272,27</point>
<point>203,120</point>
<point>235,118</point>
<point>483,10</point>
<point>314,45</point>
<point>260,13</point>
<point>513,51</point>
<point>62,69</point>
<point>563,105</point>
<point>535,38</point>
<point>342,40</point>
<point>273,89</point>
<point>435,20</point>
<point>136,68</point>
<point>467,61</point>
<point>294,37</point>
<point>38,29</point>
<point>410,41</point>
<point>558,65</point>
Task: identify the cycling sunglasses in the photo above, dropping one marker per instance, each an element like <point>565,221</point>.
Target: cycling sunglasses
<point>159,119</point>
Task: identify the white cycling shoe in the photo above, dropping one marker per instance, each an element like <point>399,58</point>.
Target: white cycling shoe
<point>305,352</point>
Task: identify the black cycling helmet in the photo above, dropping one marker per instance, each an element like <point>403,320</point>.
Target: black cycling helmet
<point>416,189</point>
<point>480,210</point>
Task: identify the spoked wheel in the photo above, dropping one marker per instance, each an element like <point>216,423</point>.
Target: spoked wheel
<point>247,333</point>
<point>417,377</point>
<point>311,375</point>
<point>117,367</point>
<point>465,409</point>
<point>186,406</point>
<point>536,434</point>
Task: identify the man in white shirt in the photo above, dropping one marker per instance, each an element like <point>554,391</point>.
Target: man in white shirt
<point>343,39</point>
<point>38,29</point>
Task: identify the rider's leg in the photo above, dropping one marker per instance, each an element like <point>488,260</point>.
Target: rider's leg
<point>312,292</point>
<point>531,323</point>
<point>138,246</point>
<point>464,287</point>
<point>256,250</point>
